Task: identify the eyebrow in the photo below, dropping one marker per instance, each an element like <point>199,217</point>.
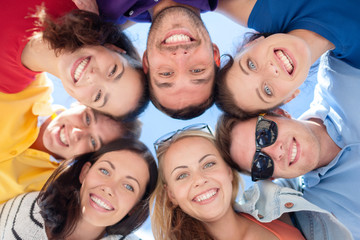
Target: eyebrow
<point>201,159</point>
<point>259,95</point>
<point>95,120</point>
<point>241,67</point>
<point>163,85</point>
<point>113,167</point>
<point>117,78</point>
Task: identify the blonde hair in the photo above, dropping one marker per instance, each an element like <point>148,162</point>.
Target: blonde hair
<point>169,221</point>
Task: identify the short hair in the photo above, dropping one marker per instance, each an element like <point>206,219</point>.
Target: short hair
<point>59,200</point>
<point>169,221</point>
<point>188,112</point>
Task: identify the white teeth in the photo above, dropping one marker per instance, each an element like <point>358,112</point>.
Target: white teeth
<point>63,137</point>
<point>206,195</point>
<point>100,203</point>
<point>289,65</point>
<point>80,68</point>
<point>177,38</point>
<point>294,152</point>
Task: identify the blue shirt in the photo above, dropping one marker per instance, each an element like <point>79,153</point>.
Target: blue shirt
<point>334,187</point>
<point>120,11</point>
<point>337,21</point>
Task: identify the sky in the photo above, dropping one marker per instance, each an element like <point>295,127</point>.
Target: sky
<point>227,35</point>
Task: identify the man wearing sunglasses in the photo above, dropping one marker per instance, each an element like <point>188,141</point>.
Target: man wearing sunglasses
<point>323,146</point>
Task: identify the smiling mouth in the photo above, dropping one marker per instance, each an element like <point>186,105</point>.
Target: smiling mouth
<point>205,196</point>
<point>62,136</point>
<point>286,61</point>
<point>293,153</point>
<point>80,69</point>
<point>101,203</point>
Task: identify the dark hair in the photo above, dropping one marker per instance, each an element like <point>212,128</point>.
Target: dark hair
<point>59,200</point>
<point>224,99</point>
<point>190,111</point>
<point>80,28</point>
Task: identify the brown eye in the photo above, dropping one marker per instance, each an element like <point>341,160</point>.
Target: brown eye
<point>113,71</point>
<point>98,96</point>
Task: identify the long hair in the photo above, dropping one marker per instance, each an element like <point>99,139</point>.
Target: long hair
<point>59,200</point>
<point>224,99</point>
<point>169,221</point>
<point>80,28</point>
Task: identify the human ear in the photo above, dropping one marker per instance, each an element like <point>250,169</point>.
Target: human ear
<point>84,171</point>
<point>216,54</point>
<point>114,48</point>
<point>294,95</point>
<point>282,112</point>
<point>170,195</point>
<point>145,63</point>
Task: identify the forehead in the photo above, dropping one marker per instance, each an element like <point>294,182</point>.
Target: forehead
<point>126,163</point>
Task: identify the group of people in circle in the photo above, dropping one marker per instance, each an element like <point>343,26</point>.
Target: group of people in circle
<point>83,173</point>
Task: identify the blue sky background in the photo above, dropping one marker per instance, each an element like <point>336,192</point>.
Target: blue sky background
<point>227,35</point>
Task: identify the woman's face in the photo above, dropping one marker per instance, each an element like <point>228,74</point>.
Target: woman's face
<point>112,186</point>
<point>101,78</point>
<point>79,130</point>
<point>268,72</point>
<point>198,180</point>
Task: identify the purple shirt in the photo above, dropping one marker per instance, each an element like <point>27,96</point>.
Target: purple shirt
<point>137,10</point>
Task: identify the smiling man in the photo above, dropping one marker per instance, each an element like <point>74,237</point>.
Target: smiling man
<point>180,60</point>
<point>323,147</point>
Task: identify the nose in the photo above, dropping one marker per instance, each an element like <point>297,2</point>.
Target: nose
<point>273,69</point>
<point>276,151</point>
<point>77,133</point>
<point>199,179</point>
<point>107,190</point>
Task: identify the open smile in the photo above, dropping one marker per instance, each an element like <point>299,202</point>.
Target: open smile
<point>206,197</point>
<point>285,60</point>
<point>100,203</point>
<point>294,153</point>
<point>178,37</point>
<point>62,137</point>
<point>79,68</point>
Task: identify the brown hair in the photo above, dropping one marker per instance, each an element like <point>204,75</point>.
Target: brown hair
<point>169,221</point>
<point>187,112</point>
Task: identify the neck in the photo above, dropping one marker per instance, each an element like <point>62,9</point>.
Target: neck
<point>169,3</point>
<point>39,57</point>
<point>328,148</point>
<point>84,232</point>
<point>317,44</point>
<point>229,227</point>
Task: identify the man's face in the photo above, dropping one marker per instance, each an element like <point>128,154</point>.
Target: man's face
<point>295,152</point>
<point>180,59</point>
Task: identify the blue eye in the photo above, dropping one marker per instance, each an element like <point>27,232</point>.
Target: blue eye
<point>197,70</point>
<point>104,171</point>
<point>267,90</point>
<point>129,187</point>
<point>98,96</point>
<point>182,176</point>
<point>210,164</point>
<point>87,119</point>
<point>166,74</point>
<point>113,71</point>
<point>93,143</point>
<point>251,65</point>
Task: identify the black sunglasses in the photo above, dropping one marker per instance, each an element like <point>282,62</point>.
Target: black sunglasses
<point>266,133</point>
<point>167,137</point>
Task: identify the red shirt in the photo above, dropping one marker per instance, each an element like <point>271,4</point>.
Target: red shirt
<point>15,29</point>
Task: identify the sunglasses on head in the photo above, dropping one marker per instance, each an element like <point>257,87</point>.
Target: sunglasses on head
<point>194,127</point>
<point>266,133</point>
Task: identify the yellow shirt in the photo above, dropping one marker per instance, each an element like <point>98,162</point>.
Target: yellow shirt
<point>23,169</point>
